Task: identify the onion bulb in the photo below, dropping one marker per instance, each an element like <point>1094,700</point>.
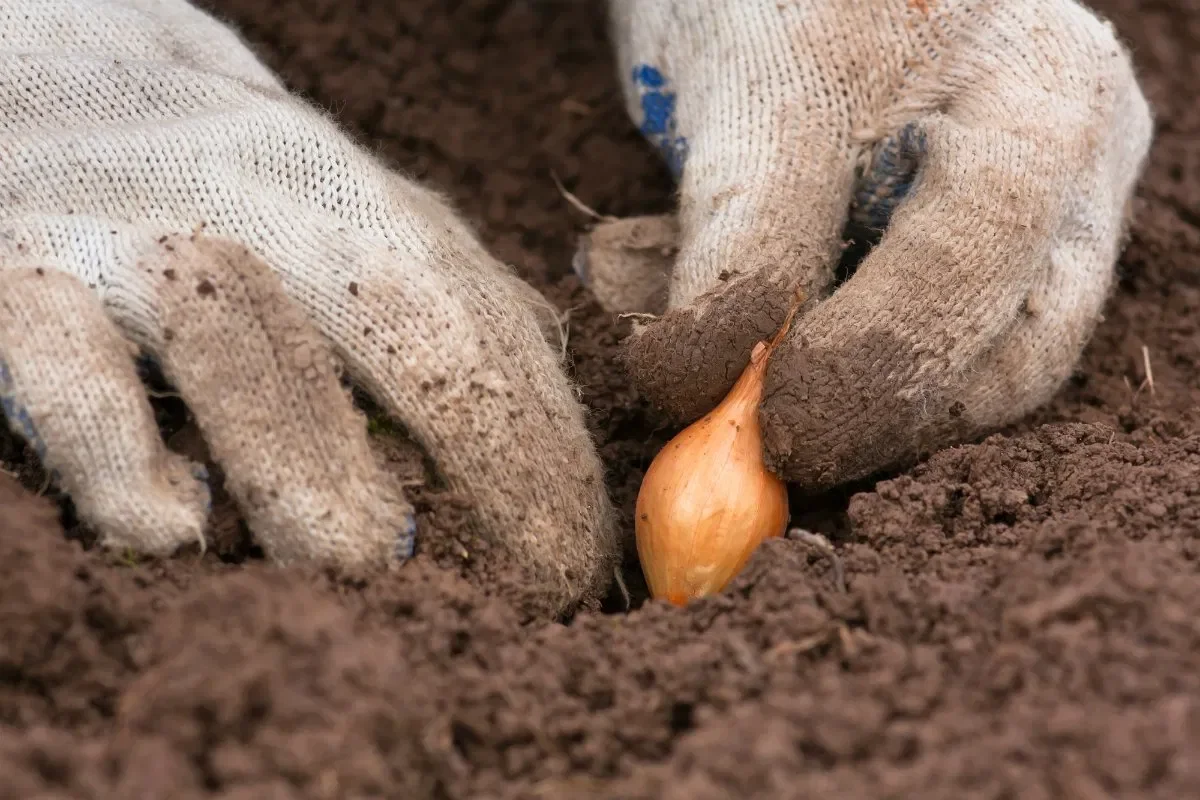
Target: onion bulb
<point>708,500</point>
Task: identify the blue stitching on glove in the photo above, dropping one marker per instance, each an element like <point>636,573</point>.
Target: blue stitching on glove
<point>891,176</point>
<point>658,116</point>
<point>18,416</point>
<point>200,473</point>
<point>406,541</point>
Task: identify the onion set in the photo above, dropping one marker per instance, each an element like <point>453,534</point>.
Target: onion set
<point>708,500</point>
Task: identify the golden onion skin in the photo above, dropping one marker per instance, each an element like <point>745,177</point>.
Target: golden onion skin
<point>707,501</point>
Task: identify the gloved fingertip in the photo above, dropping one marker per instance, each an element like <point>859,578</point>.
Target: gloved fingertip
<point>687,360</point>
<point>840,408</point>
<point>68,385</point>
<point>265,387</point>
<point>155,519</point>
<point>626,263</point>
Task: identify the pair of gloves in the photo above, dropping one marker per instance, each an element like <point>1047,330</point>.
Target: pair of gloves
<point>161,192</point>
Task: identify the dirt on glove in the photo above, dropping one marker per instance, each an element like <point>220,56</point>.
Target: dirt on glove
<point>1019,616</point>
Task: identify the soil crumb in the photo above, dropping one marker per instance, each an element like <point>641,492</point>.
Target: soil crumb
<point>1020,618</point>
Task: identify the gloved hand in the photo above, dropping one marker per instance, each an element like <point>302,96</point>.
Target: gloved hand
<point>997,142</point>
<point>161,188</point>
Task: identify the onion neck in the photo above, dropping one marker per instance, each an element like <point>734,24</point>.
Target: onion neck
<point>747,392</point>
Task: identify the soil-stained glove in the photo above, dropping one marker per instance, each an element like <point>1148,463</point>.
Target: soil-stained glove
<point>160,188</point>
<point>998,143</point>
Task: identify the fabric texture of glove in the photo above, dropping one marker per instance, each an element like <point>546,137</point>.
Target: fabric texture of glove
<point>162,191</point>
<point>996,145</point>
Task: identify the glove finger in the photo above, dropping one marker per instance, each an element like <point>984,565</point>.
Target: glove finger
<point>1039,353</point>
<point>765,164</point>
<point>69,386</point>
<point>1060,312</point>
<point>447,340</point>
<point>626,263</point>
<point>264,388</point>
<point>1013,188</point>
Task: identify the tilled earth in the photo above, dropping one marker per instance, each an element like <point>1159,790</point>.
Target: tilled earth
<point>1019,616</point>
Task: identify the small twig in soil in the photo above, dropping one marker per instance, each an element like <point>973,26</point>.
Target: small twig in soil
<point>825,636</point>
<point>624,589</point>
<point>573,106</point>
<point>819,542</point>
<point>1149,372</point>
<point>805,645</point>
<point>847,641</point>
<point>564,327</point>
<point>577,203</point>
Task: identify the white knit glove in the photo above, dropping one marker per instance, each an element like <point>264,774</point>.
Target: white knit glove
<point>1005,136</point>
<point>161,188</point>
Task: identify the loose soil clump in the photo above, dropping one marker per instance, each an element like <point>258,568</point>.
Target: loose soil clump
<point>1019,617</point>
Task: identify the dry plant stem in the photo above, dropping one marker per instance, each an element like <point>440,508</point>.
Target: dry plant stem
<point>1149,372</point>
<point>624,589</point>
<point>798,299</point>
<point>577,203</point>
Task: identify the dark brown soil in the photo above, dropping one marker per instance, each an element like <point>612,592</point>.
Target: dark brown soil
<point>1022,617</point>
